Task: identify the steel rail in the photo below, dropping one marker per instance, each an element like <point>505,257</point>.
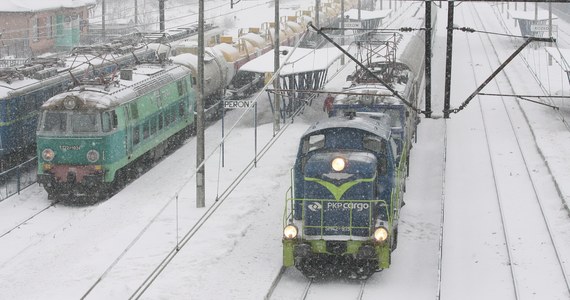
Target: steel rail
<point>305,293</point>
<point>275,283</point>
<point>496,188</point>
<point>529,173</point>
<point>29,218</point>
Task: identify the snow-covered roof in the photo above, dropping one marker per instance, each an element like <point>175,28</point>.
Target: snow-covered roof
<point>302,60</point>
<point>39,5</point>
<point>102,97</point>
<point>561,56</point>
<point>377,127</point>
<point>367,14</point>
<point>530,15</point>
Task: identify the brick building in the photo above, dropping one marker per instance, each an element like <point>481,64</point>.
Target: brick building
<point>33,27</point>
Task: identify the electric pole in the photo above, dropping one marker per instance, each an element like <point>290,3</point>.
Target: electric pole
<point>428,58</point>
<point>103,12</point>
<point>317,9</point>
<point>276,83</point>
<point>342,28</point>
<point>136,12</point>
<point>200,155</point>
<point>161,14</point>
<point>449,56</point>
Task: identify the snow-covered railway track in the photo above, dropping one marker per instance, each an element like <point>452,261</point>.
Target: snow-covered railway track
<point>290,284</point>
<point>25,220</point>
<point>329,290</point>
<point>31,225</point>
<point>535,258</point>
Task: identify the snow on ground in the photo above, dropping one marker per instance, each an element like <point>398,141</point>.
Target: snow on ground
<point>237,252</point>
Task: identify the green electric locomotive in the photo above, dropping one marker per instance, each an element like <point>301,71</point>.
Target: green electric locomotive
<point>90,138</point>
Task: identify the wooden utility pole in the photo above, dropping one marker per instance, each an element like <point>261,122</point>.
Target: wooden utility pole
<point>200,124</point>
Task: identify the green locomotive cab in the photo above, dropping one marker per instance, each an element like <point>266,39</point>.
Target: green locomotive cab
<point>73,146</point>
<point>95,136</point>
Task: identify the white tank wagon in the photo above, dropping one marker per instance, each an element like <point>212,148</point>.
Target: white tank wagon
<point>217,72</point>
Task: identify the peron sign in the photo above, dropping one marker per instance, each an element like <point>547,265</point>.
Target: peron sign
<point>542,28</point>
<point>238,103</point>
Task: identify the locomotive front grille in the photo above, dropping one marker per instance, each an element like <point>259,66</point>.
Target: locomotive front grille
<point>337,248</point>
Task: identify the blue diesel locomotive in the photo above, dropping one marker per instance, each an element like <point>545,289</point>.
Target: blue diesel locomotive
<point>343,206</point>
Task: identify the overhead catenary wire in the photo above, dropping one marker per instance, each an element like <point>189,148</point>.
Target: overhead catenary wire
<point>535,76</point>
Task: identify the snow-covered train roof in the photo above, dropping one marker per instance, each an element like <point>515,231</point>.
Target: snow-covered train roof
<point>301,61</point>
<point>78,64</point>
<point>145,78</point>
<point>376,94</point>
<point>376,127</point>
<point>411,49</point>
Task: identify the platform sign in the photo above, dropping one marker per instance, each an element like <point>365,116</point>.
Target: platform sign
<point>542,28</point>
<point>233,104</point>
<point>352,25</point>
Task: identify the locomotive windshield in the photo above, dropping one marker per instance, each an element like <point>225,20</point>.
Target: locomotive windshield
<point>75,123</point>
<point>55,121</point>
<point>84,123</point>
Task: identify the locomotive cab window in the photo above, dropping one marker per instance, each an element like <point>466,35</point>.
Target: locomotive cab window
<point>379,147</point>
<point>84,123</point>
<point>54,121</point>
<point>109,121</point>
<point>313,142</point>
<point>181,88</point>
<point>374,144</point>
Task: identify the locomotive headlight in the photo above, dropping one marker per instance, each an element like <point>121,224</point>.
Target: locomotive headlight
<point>69,102</point>
<point>338,164</point>
<point>93,156</point>
<point>380,234</point>
<point>290,232</point>
<point>48,154</point>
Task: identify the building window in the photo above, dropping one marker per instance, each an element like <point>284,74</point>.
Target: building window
<point>49,33</point>
<point>53,26</point>
<point>35,29</point>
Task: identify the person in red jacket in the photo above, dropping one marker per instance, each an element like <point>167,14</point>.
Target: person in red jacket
<point>328,104</point>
